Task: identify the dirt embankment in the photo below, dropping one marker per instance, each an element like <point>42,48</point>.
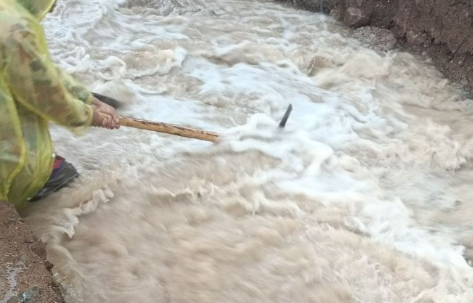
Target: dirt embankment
<point>25,274</point>
<point>439,29</point>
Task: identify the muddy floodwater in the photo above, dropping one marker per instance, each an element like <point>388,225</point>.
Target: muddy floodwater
<point>365,196</point>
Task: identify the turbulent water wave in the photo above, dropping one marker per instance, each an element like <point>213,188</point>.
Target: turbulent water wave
<point>363,197</point>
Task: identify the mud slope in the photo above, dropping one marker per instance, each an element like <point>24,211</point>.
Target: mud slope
<point>24,271</point>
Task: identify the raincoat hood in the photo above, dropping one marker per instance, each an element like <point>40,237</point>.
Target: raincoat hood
<point>39,8</point>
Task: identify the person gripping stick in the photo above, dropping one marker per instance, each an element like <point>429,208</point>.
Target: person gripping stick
<point>33,93</point>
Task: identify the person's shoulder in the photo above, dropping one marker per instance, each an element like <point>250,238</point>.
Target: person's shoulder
<point>14,24</point>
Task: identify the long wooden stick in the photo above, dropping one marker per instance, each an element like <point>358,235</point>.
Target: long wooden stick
<point>170,129</point>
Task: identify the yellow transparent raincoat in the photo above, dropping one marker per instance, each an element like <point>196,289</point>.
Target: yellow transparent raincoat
<point>32,92</point>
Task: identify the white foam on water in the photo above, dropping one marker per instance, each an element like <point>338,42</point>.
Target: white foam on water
<point>363,197</point>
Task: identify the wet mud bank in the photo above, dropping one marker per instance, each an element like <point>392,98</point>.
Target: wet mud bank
<point>25,273</point>
<point>439,30</point>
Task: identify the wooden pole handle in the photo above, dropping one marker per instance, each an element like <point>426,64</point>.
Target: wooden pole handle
<point>169,129</point>
<point>159,126</point>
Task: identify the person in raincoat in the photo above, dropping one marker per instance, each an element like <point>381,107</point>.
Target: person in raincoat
<point>34,92</point>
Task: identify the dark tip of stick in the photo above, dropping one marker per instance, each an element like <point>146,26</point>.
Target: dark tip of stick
<point>107,100</point>
<point>282,124</point>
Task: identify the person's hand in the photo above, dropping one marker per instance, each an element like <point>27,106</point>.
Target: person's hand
<point>104,115</point>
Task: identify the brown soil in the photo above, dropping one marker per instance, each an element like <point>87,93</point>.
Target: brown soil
<point>23,264</point>
<point>438,29</point>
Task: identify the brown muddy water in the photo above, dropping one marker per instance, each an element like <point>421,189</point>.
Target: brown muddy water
<point>365,196</point>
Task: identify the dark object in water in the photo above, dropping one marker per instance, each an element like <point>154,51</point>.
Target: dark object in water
<point>282,124</point>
